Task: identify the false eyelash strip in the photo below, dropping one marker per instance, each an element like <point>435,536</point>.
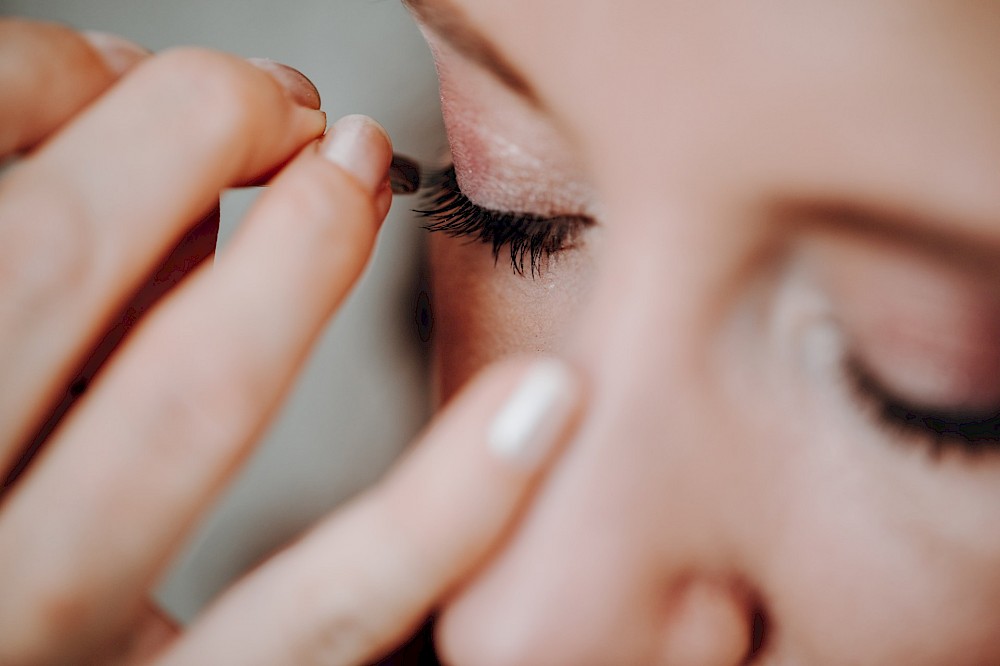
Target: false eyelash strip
<point>404,175</point>
<point>530,238</point>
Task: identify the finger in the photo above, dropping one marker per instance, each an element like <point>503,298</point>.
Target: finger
<point>49,72</point>
<point>196,246</point>
<point>84,219</point>
<point>175,411</point>
<point>153,634</point>
<point>364,580</point>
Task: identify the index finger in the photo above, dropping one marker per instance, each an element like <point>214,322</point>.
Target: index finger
<point>91,213</point>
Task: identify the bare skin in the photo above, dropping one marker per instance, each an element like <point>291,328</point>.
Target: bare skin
<point>123,157</point>
<point>795,226</point>
<point>786,197</point>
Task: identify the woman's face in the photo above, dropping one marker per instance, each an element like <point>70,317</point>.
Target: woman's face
<point>773,254</point>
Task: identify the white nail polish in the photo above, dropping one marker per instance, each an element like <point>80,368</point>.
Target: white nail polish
<point>529,424</point>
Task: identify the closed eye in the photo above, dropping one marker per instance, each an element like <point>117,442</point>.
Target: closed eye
<point>530,239</point>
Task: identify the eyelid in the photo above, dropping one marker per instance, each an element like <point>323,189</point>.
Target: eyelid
<point>921,341</point>
<point>926,330</point>
<point>970,431</point>
<point>527,235</point>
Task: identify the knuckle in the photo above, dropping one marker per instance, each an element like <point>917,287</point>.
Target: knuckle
<point>334,632</point>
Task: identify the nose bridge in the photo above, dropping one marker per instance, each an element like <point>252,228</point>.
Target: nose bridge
<point>657,438</point>
<point>657,461</point>
<point>628,543</point>
<point>660,463</point>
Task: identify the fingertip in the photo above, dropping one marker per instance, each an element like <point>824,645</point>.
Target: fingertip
<point>360,146</point>
<point>383,202</point>
<point>117,53</point>
<point>297,85</point>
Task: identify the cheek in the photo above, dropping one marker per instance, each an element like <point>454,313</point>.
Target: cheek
<point>484,311</point>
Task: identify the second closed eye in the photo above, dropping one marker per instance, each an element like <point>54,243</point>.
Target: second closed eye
<point>922,332</point>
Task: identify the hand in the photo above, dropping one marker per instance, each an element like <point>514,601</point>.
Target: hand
<point>117,173</point>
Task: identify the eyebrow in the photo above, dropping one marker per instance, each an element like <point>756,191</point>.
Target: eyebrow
<point>449,22</point>
<point>971,247</point>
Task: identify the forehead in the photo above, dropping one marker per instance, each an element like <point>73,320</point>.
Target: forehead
<point>678,40</point>
<point>759,91</point>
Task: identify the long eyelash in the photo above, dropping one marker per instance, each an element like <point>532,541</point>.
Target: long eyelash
<point>531,238</point>
<point>969,431</point>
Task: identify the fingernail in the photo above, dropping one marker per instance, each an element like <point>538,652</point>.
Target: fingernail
<point>302,91</point>
<point>530,423</point>
<point>118,53</point>
<point>360,145</point>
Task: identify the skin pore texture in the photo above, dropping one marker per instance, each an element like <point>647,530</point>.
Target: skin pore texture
<point>782,192</point>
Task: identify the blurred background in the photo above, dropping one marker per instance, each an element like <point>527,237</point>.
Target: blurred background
<point>362,396</point>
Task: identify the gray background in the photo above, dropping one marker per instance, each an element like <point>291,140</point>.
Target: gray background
<point>363,394</point>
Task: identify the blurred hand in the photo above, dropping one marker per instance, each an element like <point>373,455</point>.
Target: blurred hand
<point>110,214</point>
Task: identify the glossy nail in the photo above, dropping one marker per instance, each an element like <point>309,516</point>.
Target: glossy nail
<point>361,146</point>
<point>302,91</point>
<point>529,425</point>
<point>118,53</point>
